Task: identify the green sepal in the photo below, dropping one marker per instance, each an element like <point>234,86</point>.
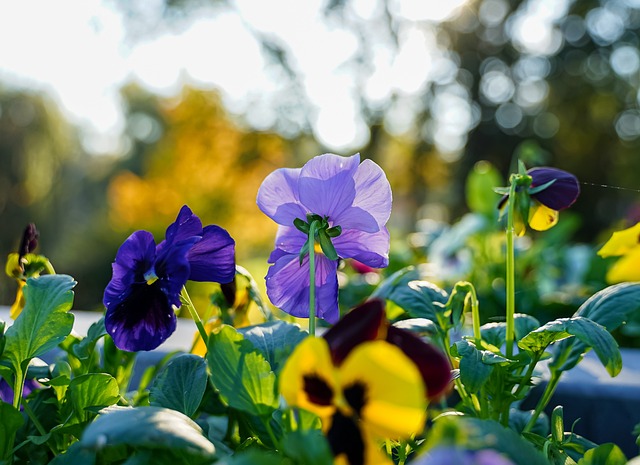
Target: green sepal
<point>501,190</point>
<point>535,190</point>
<point>326,245</point>
<point>557,424</point>
<point>311,217</point>
<point>301,226</point>
<point>522,169</point>
<point>304,251</point>
<point>334,232</point>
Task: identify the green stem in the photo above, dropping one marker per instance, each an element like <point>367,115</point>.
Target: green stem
<point>544,400</point>
<point>194,315</point>
<point>524,382</point>
<point>475,314</point>
<point>312,277</point>
<point>18,388</point>
<point>510,278</point>
<point>34,419</point>
<point>49,267</point>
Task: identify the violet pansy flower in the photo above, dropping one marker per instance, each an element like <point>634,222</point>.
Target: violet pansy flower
<point>148,278</point>
<point>352,199</point>
<point>549,190</point>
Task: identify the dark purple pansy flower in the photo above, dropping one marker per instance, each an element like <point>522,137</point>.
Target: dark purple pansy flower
<point>551,190</point>
<point>352,195</point>
<point>147,279</point>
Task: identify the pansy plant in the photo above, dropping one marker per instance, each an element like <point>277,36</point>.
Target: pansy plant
<point>333,207</point>
<point>148,279</point>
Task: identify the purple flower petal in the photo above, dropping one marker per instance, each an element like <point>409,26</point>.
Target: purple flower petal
<point>370,249</point>
<point>329,165</point>
<point>373,192</point>
<point>278,197</point>
<point>213,257</point>
<point>187,224</point>
<point>288,286</point>
<point>134,258</point>
<point>172,269</point>
<point>290,239</point>
<point>143,321</point>
<point>559,195</point>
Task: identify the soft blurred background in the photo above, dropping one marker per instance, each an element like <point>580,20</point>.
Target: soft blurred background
<point>115,113</point>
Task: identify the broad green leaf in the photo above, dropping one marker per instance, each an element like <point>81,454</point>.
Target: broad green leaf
<point>275,340</point>
<point>85,347</point>
<point>474,433</point>
<point>610,308</point>
<point>605,454</point>
<point>475,365</point>
<point>419,299</point>
<point>307,448</point>
<point>75,454</point>
<point>148,428</point>
<point>241,373</point>
<point>495,333</point>
<point>11,421</point>
<point>588,332</point>
<point>91,392</point>
<point>180,384</point>
<point>253,456</point>
<point>44,322</point>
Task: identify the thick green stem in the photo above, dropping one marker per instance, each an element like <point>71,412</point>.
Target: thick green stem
<point>544,400</point>
<point>510,278</point>
<point>524,381</point>
<point>194,314</point>
<point>312,277</point>
<point>18,388</point>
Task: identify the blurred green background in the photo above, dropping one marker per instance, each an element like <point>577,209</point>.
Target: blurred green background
<point>426,90</point>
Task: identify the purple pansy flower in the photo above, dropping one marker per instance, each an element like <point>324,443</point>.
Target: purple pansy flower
<point>6,391</point>
<point>148,278</point>
<point>346,193</point>
<point>446,455</point>
<point>550,191</point>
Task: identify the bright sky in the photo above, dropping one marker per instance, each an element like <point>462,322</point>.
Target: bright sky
<point>77,51</point>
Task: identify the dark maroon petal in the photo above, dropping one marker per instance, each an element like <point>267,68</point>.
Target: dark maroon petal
<point>366,322</point>
<point>345,437</point>
<point>143,321</point>
<point>432,363</point>
<point>212,259</point>
<point>559,195</point>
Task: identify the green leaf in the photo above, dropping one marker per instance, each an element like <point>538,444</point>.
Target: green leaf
<point>253,457</point>
<point>43,323</point>
<point>180,385</point>
<point>241,373</point>
<point>590,333</point>
<point>610,308</point>
<point>75,454</point>
<point>307,448</point>
<point>11,421</point>
<point>474,371</point>
<point>275,340</point>
<point>495,333</point>
<point>605,454</point>
<point>419,299</point>
<point>148,428</point>
<point>85,347</point>
<point>474,433</point>
<point>91,392</point>
<point>420,326</point>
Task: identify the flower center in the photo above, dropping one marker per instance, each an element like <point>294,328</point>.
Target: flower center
<point>150,276</point>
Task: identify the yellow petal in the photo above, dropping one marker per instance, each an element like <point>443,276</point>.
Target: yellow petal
<point>19,303</point>
<point>310,363</point>
<point>621,242</point>
<point>394,402</point>
<point>542,217</point>
<point>625,269</point>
